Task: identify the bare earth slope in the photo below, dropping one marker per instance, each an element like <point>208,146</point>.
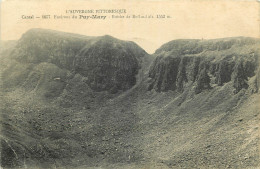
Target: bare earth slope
<point>99,102</point>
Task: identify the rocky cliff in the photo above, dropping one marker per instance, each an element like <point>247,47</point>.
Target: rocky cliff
<point>204,64</point>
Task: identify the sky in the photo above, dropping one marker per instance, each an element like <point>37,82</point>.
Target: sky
<point>188,19</point>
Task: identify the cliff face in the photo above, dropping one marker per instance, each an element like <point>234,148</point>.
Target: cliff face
<point>107,63</point>
<point>204,64</point>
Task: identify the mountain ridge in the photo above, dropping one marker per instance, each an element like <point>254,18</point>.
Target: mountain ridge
<point>212,63</point>
<point>103,102</point>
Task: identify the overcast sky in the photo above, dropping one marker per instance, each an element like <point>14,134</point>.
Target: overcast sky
<point>189,19</point>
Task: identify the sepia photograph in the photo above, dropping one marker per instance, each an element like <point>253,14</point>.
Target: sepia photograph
<point>151,84</point>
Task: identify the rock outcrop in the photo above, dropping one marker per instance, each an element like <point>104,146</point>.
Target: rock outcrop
<point>239,77</point>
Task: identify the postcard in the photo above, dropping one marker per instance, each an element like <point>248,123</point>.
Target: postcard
<point>129,84</point>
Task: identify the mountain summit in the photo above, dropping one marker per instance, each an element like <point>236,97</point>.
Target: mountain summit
<point>106,62</point>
